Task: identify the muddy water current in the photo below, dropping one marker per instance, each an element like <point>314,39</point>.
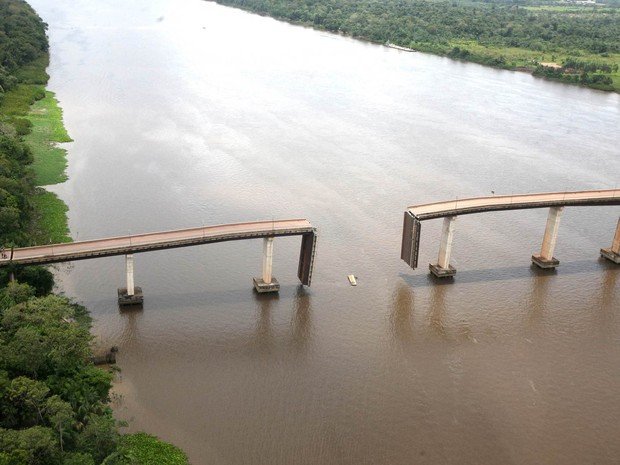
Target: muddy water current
<point>187,113</point>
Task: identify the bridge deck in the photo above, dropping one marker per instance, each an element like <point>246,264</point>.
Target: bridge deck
<point>514,202</point>
<point>122,245</point>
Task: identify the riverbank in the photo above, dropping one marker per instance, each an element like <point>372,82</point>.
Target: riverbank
<point>497,35</point>
<point>50,224</point>
<point>49,165</point>
<point>73,422</point>
<point>37,117</point>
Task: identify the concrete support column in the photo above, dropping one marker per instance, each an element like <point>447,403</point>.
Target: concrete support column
<point>130,295</point>
<point>615,245</point>
<point>613,253</point>
<point>267,259</point>
<point>267,282</point>
<point>129,270</point>
<point>545,258</point>
<point>442,268</point>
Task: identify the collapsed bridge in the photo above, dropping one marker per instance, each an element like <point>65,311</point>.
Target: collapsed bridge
<point>449,210</point>
<point>128,245</point>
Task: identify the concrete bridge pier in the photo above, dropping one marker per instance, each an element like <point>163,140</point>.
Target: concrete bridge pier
<point>545,258</point>
<point>443,269</point>
<point>130,295</point>
<point>613,252</point>
<point>267,283</point>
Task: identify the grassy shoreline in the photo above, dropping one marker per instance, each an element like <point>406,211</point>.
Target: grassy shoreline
<point>38,119</point>
<point>50,163</point>
<point>47,130</point>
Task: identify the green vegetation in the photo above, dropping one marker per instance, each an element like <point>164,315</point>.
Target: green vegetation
<point>28,136</point>
<point>16,101</point>
<point>29,111</point>
<point>27,154</point>
<point>47,129</point>
<point>54,402</point>
<point>145,449</point>
<point>16,188</point>
<point>50,218</point>
<point>503,34</point>
<point>22,42</point>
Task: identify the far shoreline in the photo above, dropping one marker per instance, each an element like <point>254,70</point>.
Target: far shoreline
<point>427,50</point>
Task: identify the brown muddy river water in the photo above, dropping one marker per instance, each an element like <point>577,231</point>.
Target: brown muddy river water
<point>186,112</point>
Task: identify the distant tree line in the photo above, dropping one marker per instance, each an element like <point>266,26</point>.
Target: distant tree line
<point>577,73</point>
<point>413,22</point>
<point>588,66</point>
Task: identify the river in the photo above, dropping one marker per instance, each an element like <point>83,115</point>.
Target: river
<point>187,113</point>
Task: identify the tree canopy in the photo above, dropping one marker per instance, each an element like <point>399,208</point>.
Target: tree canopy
<point>53,400</point>
<point>22,39</point>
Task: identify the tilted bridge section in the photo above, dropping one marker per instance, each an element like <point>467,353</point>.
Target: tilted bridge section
<point>128,245</point>
<point>449,210</point>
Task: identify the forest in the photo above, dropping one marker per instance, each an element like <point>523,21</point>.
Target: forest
<point>22,41</point>
<point>503,34</point>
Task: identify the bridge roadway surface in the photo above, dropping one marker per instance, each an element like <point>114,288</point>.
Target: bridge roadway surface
<point>514,202</point>
<point>122,245</point>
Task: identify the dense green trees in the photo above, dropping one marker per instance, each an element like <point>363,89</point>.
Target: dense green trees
<point>16,186</point>
<point>409,22</point>
<point>579,72</point>
<point>53,401</point>
<point>22,44</point>
<point>22,40</point>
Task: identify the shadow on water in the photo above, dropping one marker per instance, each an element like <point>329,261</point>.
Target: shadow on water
<point>266,336</point>
<point>402,315</point>
<point>607,292</point>
<point>505,274</point>
<point>401,318</point>
<point>608,283</point>
<point>198,299</point>
<point>130,333</point>
<point>437,313</point>
<point>300,324</point>
<point>263,336</point>
<point>537,300</point>
<point>536,303</point>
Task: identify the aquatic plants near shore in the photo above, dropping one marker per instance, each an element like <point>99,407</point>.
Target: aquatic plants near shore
<point>37,118</point>
<point>46,131</point>
<point>49,165</point>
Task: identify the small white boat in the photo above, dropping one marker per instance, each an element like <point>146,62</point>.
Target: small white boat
<point>398,47</point>
<point>352,280</point>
